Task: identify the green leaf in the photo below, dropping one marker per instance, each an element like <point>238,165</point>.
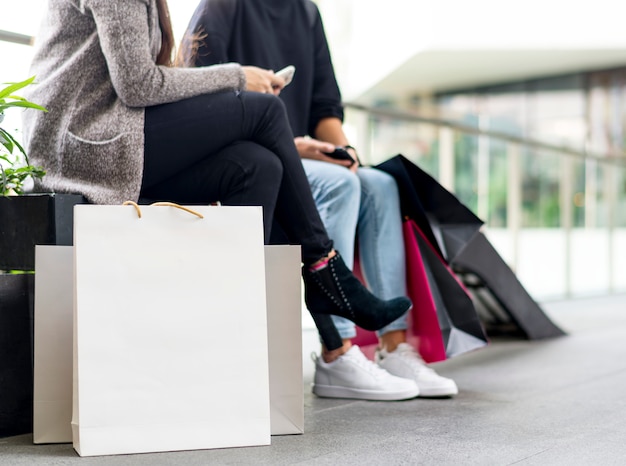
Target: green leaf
<point>6,140</point>
<point>13,142</point>
<point>14,174</point>
<point>22,103</point>
<point>15,86</point>
<point>12,180</point>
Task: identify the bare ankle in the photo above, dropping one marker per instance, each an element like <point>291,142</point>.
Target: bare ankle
<point>332,355</point>
<point>390,340</point>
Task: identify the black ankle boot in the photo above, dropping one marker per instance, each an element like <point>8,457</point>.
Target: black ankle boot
<point>335,290</point>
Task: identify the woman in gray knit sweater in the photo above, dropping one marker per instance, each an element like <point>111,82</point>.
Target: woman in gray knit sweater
<point>123,123</point>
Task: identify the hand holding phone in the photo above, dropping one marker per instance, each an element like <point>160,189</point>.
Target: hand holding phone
<point>340,153</point>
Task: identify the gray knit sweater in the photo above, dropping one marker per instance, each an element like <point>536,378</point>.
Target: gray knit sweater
<point>95,65</point>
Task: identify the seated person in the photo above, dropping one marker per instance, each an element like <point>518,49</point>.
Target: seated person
<point>119,113</point>
<point>353,201</point>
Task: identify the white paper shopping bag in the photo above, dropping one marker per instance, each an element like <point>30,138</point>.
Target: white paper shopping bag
<point>170,330</point>
<point>53,342</point>
<point>52,394</point>
<point>284,328</point>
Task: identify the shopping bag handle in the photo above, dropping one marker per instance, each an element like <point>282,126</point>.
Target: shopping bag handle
<point>170,204</point>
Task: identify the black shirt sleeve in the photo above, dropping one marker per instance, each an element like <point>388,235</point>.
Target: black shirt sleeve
<point>326,97</point>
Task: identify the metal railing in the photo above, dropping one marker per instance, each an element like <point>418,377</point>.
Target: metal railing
<point>14,37</point>
<point>616,157</point>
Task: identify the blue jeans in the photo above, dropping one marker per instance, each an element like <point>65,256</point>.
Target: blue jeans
<point>363,206</point>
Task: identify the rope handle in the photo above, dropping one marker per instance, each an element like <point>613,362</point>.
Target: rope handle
<point>170,204</point>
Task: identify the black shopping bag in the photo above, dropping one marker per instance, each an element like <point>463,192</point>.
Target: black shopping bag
<point>459,322</point>
<point>443,322</point>
<point>447,223</point>
<point>454,232</point>
<point>499,290</point>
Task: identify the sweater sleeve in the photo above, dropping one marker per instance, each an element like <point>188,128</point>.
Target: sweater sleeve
<point>123,29</point>
<point>326,98</point>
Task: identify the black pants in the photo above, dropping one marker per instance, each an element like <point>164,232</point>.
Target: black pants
<point>236,148</point>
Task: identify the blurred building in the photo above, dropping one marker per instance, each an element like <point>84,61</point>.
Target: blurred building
<point>518,108</point>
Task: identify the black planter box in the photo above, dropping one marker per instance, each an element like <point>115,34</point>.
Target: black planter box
<point>25,221</point>
<point>16,354</point>
<point>32,219</point>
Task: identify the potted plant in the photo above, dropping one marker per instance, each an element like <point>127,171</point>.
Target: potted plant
<point>25,220</point>
<point>15,318</point>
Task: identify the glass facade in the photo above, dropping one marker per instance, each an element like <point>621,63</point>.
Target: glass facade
<point>561,203</point>
<point>585,112</point>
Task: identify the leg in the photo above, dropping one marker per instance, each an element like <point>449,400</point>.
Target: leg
<point>346,372</point>
<point>337,195</point>
<point>383,258</point>
<point>381,244</point>
<point>207,124</point>
<point>329,285</point>
<point>243,173</point>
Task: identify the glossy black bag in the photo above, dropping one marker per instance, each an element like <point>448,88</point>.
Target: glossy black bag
<point>454,233</point>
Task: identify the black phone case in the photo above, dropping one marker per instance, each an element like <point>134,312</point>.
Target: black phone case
<point>340,154</point>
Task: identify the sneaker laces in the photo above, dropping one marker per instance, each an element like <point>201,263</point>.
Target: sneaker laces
<point>357,357</point>
<point>412,358</point>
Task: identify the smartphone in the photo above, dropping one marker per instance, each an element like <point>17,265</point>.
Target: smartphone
<point>340,154</point>
<point>286,73</point>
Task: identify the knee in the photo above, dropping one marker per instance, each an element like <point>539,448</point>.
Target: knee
<point>272,105</point>
<point>335,189</point>
<point>265,166</point>
<point>275,104</point>
<point>342,184</point>
<point>378,184</point>
<point>254,164</point>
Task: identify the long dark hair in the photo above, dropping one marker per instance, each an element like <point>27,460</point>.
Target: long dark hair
<point>167,34</point>
<point>190,45</point>
<point>189,49</point>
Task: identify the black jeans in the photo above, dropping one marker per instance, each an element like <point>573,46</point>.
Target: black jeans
<point>236,148</point>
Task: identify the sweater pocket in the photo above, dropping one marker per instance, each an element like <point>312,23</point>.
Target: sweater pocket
<point>111,164</point>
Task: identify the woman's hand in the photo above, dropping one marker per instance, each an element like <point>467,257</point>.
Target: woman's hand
<point>263,81</point>
<point>313,149</point>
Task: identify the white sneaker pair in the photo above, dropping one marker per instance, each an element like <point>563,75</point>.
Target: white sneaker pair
<point>399,375</point>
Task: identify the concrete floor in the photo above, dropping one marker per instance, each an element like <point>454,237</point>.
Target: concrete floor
<point>556,402</point>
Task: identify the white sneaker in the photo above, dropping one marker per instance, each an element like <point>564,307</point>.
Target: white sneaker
<point>405,362</point>
<point>352,375</point>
